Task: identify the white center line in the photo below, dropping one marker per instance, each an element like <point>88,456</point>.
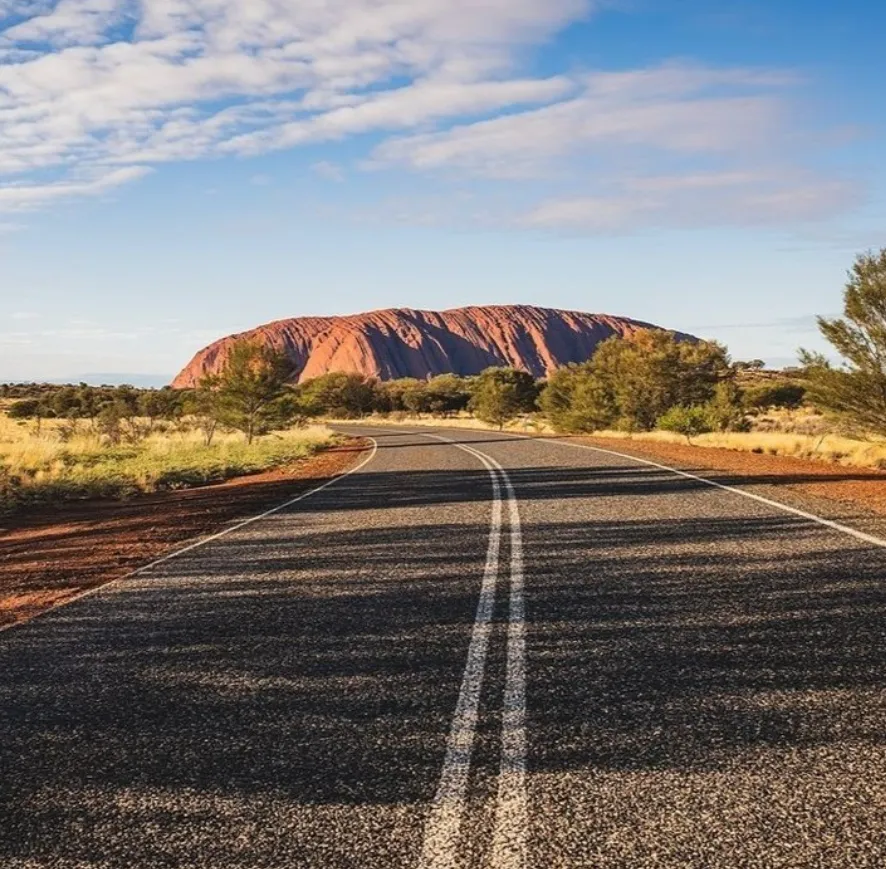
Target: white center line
<point>509,842</point>
<point>444,823</point>
<point>510,836</point>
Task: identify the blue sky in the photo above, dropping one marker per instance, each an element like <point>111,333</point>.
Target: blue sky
<point>175,170</point>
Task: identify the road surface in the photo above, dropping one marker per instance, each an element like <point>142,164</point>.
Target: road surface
<point>475,651</point>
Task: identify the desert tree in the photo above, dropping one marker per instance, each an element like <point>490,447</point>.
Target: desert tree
<point>630,383</point>
<point>500,394</point>
<point>202,404</point>
<point>855,391</point>
<point>688,421</point>
<point>338,394</point>
<point>252,392</point>
<point>447,394</point>
<point>576,399</point>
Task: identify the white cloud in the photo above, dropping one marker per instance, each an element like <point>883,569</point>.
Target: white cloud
<point>86,83</point>
<point>670,109</point>
<point>23,197</point>
<point>93,92</point>
<point>726,198</point>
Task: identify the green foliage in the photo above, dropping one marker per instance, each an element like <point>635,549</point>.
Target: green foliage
<point>726,409</point>
<point>787,394</point>
<point>337,394</point>
<point>576,400</point>
<point>250,393</point>
<point>75,403</point>
<point>631,382</point>
<point>500,394</point>
<point>200,403</point>
<point>855,393</point>
<point>442,395</point>
<point>447,394</point>
<point>27,408</point>
<point>687,420</point>
<point>160,404</point>
<point>110,421</point>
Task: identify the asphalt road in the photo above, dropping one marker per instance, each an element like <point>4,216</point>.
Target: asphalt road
<point>498,652</point>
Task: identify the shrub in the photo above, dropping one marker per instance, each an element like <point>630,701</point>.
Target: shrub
<point>687,420</point>
<point>766,396</point>
<point>500,394</point>
<point>856,392</point>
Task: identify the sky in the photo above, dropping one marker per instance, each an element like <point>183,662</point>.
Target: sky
<point>172,171</point>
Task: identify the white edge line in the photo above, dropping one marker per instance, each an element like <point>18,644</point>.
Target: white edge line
<point>812,517</point>
<point>196,544</point>
<point>829,523</point>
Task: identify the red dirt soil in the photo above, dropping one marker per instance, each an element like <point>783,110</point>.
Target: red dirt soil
<point>51,555</point>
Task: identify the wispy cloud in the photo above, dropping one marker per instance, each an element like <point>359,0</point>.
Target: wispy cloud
<point>95,92</point>
<point>198,77</point>
<point>774,196</point>
<point>677,109</point>
<point>20,196</point>
<point>328,170</point>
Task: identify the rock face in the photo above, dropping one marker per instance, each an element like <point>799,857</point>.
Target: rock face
<point>401,342</point>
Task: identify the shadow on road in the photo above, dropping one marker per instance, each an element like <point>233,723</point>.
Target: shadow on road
<point>323,668</point>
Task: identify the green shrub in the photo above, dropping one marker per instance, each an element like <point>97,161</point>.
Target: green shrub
<point>687,420</point>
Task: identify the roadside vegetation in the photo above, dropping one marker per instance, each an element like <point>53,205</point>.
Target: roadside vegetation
<point>67,443</point>
<point>652,386</point>
<point>79,441</point>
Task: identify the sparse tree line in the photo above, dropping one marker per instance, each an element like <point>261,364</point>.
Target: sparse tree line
<point>648,380</point>
<point>633,384</point>
<point>651,379</point>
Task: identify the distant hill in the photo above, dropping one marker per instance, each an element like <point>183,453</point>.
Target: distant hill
<point>401,342</point>
<point>143,381</point>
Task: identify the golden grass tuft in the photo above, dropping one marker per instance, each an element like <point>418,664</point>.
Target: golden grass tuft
<point>826,448</point>
<point>45,467</point>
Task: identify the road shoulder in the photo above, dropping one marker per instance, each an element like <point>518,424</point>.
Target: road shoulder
<point>856,496</point>
<point>51,556</point>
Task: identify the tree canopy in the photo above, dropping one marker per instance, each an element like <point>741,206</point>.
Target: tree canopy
<point>629,383</point>
<point>855,392</point>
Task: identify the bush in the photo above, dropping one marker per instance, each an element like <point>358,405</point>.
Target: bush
<point>687,420</point>
<point>337,394</point>
<point>855,393</point>
<point>787,395</point>
<point>500,394</point>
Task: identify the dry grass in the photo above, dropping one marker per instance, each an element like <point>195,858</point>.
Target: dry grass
<point>48,466</point>
<point>527,425</point>
<point>785,435</point>
<point>825,448</point>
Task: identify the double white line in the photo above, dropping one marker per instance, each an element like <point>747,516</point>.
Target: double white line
<point>443,828</point>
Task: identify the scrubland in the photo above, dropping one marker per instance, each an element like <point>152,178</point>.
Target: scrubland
<point>796,434</point>
<point>55,463</point>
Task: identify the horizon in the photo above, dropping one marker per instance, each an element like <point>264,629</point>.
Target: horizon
<point>174,175</point>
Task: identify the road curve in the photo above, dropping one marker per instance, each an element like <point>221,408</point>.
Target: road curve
<point>475,651</point>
